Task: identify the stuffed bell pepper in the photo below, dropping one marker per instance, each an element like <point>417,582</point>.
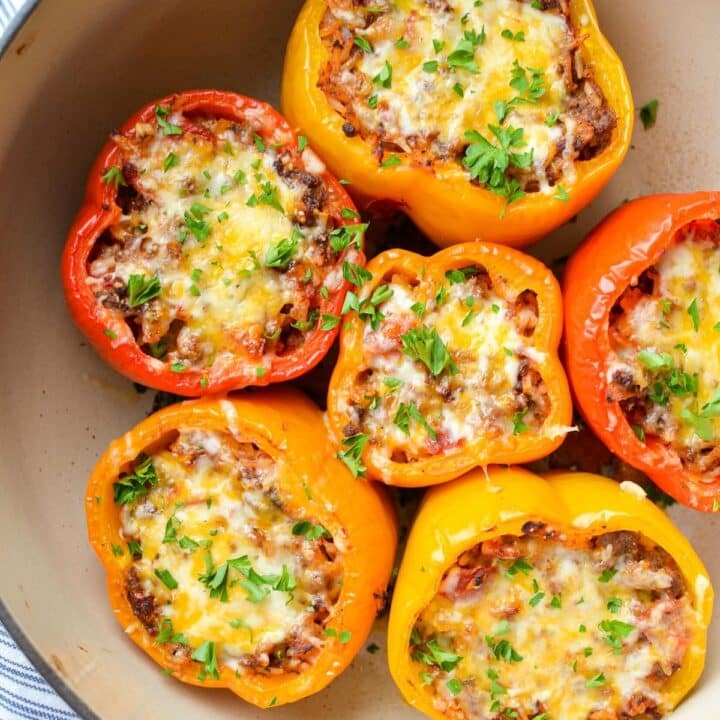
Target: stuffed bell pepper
<point>208,253</point>
<point>448,362</point>
<point>493,120</point>
<point>565,598</point>
<point>642,299</point>
<point>239,552</point>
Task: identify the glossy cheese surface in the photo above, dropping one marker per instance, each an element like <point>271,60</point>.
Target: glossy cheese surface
<point>215,502</point>
<point>561,630</point>
<point>667,339</point>
<point>443,364</point>
<point>220,222</point>
<point>435,70</point>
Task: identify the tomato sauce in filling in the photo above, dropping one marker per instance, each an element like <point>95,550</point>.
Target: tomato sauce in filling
<point>224,248</point>
<point>221,571</point>
<point>544,627</point>
<point>500,87</point>
<point>444,363</point>
<point>664,332</point>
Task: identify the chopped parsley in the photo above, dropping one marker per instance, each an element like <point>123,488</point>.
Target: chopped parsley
<point>432,653</point>
<point>461,275</point>
<point>648,114</point>
<point>519,426</point>
<point>384,77</point>
<point>392,383</point>
<point>281,254</point>
<point>351,457</point>
<point>407,412</point>
<point>694,314</point>
<point>194,220</point>
<point>503,650</point>
<point>141,290</point>
<point>167,634</point>
<point>463,55</point>
<point>508,34</point>
<point>161,113</point>
<point>344,636</point>
<point>269,197</point>
<point>205,654</point>
<point>391,161</point>
<point>363,44</point>
<point>329,322</point>
<point>425,345</point>
<point>344,236</point>
<point>136,484</point>
<point>488,163</point>
<point>309,531</point>
<point>615,632</point>
<point>355,274</point>
<point>171,160</point>
<point>521,565</point>
<point>113,175</point>
<point>166,578</point>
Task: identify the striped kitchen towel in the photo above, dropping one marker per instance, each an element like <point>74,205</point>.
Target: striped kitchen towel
<point>24,694</point>
<point>8,9</point>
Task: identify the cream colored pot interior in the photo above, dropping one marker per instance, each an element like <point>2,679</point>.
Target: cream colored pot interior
<point>73,72</point>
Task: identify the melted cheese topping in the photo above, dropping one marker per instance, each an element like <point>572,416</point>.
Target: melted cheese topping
<point>213,209</point>
<point>680,322</point>
<point>432,95</point>
<point>475,395</point>
<point>215,501</point>
<point>550,633</point>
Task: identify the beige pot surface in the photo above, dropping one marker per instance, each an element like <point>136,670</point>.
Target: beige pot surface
<point>77,69</point>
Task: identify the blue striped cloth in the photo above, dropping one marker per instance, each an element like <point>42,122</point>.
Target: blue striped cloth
<point>8,9</point>
<point>24,694</point>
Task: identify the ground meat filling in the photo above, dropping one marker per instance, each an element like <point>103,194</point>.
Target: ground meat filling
<point>222,573</point>
<point>446,360</point>
<point>665,370</point>
<point>222,251</point>
<point>540,627</point>
<point>412,78</point>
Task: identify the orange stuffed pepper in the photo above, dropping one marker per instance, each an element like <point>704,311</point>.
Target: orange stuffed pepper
<point>448,362</point>
<point>642,327</point>
<point>568,596</point>
<point>487,120</point>
<point>239,553</point>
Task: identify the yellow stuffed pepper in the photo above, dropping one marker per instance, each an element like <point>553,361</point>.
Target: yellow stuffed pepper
<point>553,598</point>
<point>485,120</point>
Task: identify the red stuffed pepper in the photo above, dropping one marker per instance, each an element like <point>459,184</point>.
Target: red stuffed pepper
<point>642,309</point>
<point>212,248</point>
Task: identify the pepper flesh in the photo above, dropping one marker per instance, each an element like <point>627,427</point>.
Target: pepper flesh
<point>107,330</point>
<point>442,201</point>
<point>520,272</point>
<point>457,516</point>
<point>287,426</point>
<point>614,255</point>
